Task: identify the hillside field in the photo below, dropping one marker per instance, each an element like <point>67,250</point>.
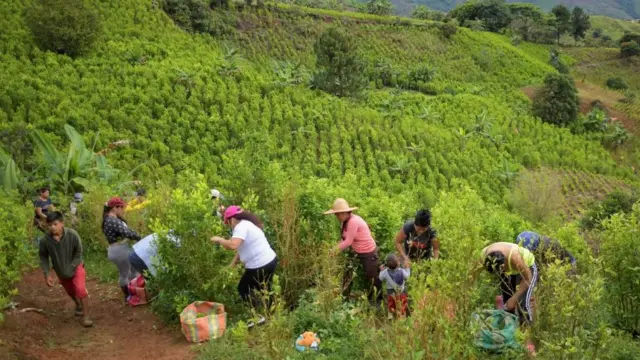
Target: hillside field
<point>443,124</point>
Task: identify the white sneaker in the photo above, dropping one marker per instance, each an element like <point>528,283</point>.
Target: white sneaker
<point>261,320</point>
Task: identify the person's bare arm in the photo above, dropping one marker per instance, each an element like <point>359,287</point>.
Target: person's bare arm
<point>234,262</point>
<point>436,248</point>
<point>41,215</point>
<point>400,238</point>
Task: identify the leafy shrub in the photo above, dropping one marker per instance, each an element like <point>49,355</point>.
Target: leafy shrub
<point>16,236</point>
<point>196,269</point>
<point>342,69</point>
<point>630,48</point>
<point>619,252</point>
<point>537,196</point>
<point>617,84</point>
<point>424,13</point>
<point>493,13</point>
<point>447,30</point>
<point>557,63</point>
<point>63,26</point>
<point>191,15</point>
<point>380,7</point>
<point>557,101</point>
<point>615,202</point>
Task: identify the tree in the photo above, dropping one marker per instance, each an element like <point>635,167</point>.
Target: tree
<point>380,7</point>
<point>424,13</point>
<point>557,101</point>
<point>562,20</point>
<point>342,71</point>
<point>630,48</point>
<point>63,26</point>
<point>493,13</point>
<point>580,23</point>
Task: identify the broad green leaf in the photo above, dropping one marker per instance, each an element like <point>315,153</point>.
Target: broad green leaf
<point>86,184</point>
<point>10,179</point>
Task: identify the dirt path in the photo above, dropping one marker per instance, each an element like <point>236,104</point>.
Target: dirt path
<point>120,332</point>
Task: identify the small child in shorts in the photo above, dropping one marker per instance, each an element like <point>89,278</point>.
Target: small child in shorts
<point>395,275</point>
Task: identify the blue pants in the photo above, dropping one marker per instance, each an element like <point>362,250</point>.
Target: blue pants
<point>137,263</point>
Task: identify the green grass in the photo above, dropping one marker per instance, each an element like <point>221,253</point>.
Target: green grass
<point>615,28</point>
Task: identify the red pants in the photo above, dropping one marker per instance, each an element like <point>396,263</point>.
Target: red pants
<point>75,286</point>
<point>392,300</point>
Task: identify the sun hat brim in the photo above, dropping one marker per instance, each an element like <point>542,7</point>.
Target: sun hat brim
<point>332,211</point>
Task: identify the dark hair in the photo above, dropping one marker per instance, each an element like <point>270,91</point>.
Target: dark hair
<point>344,224</point>
<point>245,215</point>
<point>43,189</point>
<point>141,192</point>
<point>392,261</point>
<point>493,261</point>
<point>423,218</point>
<point>54,216</point>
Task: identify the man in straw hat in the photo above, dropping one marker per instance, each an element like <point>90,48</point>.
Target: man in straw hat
<point>357,236</point>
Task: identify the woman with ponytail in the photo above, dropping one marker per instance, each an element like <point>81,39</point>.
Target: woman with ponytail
<point>117,232</point>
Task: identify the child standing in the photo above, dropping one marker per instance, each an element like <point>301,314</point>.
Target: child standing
<point>395,277</point>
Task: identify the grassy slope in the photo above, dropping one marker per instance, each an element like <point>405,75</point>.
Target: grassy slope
<point>132,86</point>
<point>614,27</point>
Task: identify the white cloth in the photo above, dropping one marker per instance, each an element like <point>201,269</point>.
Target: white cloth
<point>255,251</point>
<point>147,250</point>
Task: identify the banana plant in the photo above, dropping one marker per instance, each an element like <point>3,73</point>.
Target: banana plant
<point>8,173</point>
<point>74,170</point>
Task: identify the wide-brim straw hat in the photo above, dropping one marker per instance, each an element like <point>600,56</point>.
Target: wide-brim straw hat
<point>340,206</point>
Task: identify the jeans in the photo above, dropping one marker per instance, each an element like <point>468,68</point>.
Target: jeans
<point>137,263</point>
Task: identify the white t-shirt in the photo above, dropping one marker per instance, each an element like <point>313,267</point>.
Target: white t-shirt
<point>147,250</point>
<point>255,251</point>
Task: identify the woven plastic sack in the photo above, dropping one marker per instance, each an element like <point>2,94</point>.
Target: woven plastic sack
<point>203,320</point>
<point>137,292</point>
<point>495,330</point>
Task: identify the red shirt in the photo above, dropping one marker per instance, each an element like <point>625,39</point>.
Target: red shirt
<point>356,234</point>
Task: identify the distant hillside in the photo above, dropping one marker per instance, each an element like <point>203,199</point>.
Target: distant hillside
<point>613,27</point>
<point>621,9</point>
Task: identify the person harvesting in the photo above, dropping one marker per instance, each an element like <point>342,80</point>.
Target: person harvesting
<point>417,239</point>
<point>117,232</point>
<point>511,262</point>
<point>63,246</point>
<point>546,250</point>
<point>255,253</point>
<point>395,275</point>
<point>357,236</point>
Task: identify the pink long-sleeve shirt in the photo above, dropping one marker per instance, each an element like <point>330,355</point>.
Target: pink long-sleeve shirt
<point>358,236</point>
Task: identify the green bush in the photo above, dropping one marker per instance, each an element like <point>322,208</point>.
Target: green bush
<point>557,101</point>
<point>16,244</point>
<point>619,252</point>
<point>63,26</point>
<point>342,69</point>
<point>380,7</point>
<point>617,84</point>
<point>615,202</point>
<point>191,15</point>
<point>630,48</point>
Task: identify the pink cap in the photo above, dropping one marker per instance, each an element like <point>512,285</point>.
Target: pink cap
<point>232,211</point>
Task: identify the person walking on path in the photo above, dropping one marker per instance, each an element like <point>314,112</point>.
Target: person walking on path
<point>512,262</point>
<point>417,239</point>
<point>357,236</point>
<point>42,205</point>
<point>254,251</point>
<point>117,232</point>
<point>63,246</point>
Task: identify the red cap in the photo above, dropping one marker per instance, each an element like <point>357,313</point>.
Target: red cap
<point>116,201</point>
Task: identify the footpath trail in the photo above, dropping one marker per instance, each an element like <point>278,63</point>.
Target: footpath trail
<point>119,332</point>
